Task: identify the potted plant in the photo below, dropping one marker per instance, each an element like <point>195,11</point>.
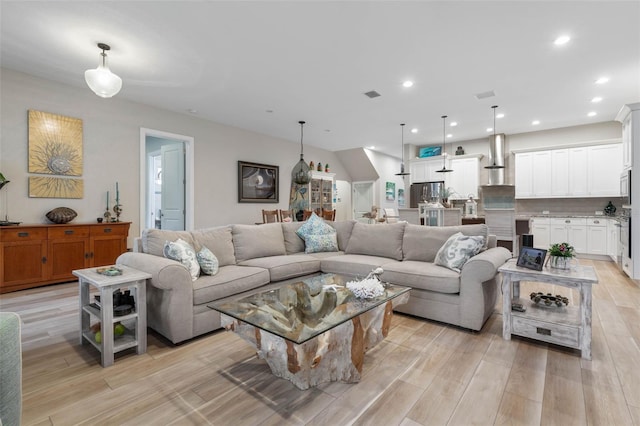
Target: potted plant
<point>561,255</point>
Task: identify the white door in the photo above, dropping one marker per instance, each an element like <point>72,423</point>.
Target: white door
<point>172,216</point>
<point>362,200</point>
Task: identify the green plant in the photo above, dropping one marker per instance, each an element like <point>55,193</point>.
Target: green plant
<point>562,250</point>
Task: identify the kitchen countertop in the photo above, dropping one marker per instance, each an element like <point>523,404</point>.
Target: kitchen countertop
<point>560,215</point>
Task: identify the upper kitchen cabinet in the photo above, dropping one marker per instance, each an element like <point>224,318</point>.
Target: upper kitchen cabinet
<point>465,177</point>
<point>588,171</point>
<point>425,170</point>
<point>629,116</point>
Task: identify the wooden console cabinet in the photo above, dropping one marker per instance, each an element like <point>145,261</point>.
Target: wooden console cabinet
<point>35,255</point>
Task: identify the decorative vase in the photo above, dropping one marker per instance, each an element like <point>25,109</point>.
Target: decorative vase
<point>560,262</point>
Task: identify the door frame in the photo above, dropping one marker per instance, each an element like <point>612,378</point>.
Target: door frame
<point>188,173</point>
<point>353,198</point>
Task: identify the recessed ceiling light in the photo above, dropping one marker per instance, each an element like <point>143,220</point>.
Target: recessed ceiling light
<point>592,114</point>
<point>192,111</point>
<point>407,83</point>
<point>602,80</point>
<point>489,129</point>
<point>414,130</point>
<point>449,135</point>
<point>453,124</point>
<point>563,39</point>
<point>371,147</point>
<point>535,122</point>
<point>501,115</point>
<point>596,99</point>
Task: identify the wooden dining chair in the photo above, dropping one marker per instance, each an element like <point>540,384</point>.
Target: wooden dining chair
<point>284,214</point>
<point>306,214</point>
<point>329,214</point>
<point>270,216</point>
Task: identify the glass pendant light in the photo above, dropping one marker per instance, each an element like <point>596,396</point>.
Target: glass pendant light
<point>402,172</point>
<point>492,145</point>
<point>444,137</point>
<point>301,173</point>
<point>101,80</point>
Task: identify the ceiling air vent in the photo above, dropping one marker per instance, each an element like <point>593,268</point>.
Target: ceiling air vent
<point>485,95</point>
<point>372,94</point>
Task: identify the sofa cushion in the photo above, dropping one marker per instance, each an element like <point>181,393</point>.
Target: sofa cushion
<point>182,251</point>
<point>422,275</point>
<point>457,250</point>
<point>353,264</point>
<point>208,261</point>
<point>153,240</point>
<point>229,280</point>
<point>317,243</point>
<point>343,229</point>
<point>315,225</point>
<point>251,241</point>
<point>377,240</point>
<point>423,242</point>
<point>219,241</point>
<point>293,243</point>
<point>285,267</point>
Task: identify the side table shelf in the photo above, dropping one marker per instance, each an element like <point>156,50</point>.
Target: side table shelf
<point>135,334</point>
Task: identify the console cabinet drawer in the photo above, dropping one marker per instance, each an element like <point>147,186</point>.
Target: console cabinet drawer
<point>68,232</point>
<point>561,334</point>
<point>23,234</point>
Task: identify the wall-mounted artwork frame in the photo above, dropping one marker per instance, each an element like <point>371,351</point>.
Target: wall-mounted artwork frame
<point>390,191</point>
<point>55,144</point>
<point>55,187</point>
<point>258,183</point>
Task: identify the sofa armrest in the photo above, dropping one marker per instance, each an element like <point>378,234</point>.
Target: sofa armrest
<point>169,294</point>
<point>479,286</point>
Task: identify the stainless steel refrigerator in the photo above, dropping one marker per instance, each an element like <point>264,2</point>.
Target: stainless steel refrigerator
<point>424,192</point>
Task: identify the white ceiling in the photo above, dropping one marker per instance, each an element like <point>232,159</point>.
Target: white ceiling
<point>306,60</point>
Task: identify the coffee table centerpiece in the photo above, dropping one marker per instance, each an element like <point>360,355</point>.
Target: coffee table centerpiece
<point>315,330</point>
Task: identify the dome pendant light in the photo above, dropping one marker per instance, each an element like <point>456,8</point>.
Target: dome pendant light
<point>492,146</point>
<point>402,172</point>
<point>101,80</point>
<point>444,156</point>
<point>301,173</point>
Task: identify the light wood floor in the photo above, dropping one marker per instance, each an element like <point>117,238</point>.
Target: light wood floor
<point>424,373</point>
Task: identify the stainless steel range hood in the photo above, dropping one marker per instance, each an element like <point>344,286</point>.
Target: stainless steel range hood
<point>495,164</point>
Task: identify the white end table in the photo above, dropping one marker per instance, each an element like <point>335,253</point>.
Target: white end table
<point>132,279</point>
<point>568,326</point>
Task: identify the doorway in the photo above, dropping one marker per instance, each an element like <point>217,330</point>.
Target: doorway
<point>362,200</point>
<point>166,180</point>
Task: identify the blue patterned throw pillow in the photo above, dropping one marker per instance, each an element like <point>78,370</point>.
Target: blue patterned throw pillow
<point>315,225</point>
<point>208,261</point>
<point>182,251</point>
<point>457,250</point>
<point>316,243</point>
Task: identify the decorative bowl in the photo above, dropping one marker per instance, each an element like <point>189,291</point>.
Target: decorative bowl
<point>61,215</point>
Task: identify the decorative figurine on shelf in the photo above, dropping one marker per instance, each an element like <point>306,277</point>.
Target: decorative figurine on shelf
<point>311,165</point>
<point>319,167</point>
<point>326,168</point>
<point>459,151</point>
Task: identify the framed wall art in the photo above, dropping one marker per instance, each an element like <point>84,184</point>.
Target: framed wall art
<point>55,144</point>
<point>55,187</point>
<point>258,183</point>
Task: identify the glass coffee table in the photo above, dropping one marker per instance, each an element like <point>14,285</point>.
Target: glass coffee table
<point>315,330</point>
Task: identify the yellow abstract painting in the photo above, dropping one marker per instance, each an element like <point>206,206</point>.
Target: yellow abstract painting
<point>53,187</point>
<point>55,144</point>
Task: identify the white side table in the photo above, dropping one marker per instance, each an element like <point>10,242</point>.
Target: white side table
<point>132,279</point>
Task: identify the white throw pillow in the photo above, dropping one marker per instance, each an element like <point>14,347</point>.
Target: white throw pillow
<point>182,251</point>
<point>459,248</point>
<point>208,261</point>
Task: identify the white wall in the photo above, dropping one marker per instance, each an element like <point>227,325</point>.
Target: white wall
<point>111,153</point>
<point>386,166</point>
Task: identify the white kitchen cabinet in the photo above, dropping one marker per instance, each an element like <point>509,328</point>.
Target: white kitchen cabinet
<point>578,172</point>
<point>539,228</point>
<point>627,142</point>
<point>524,175</point>
<point>590,171</point>
<point>560,172</point>
<point>570,230</point>
<point>613,238</point>
<point>597,236</point>
<point>425,170</point>
<point>605,165</point>
<point>464,178</point>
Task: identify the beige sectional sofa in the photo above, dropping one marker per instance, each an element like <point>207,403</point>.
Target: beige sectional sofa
<point>257,256</point>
